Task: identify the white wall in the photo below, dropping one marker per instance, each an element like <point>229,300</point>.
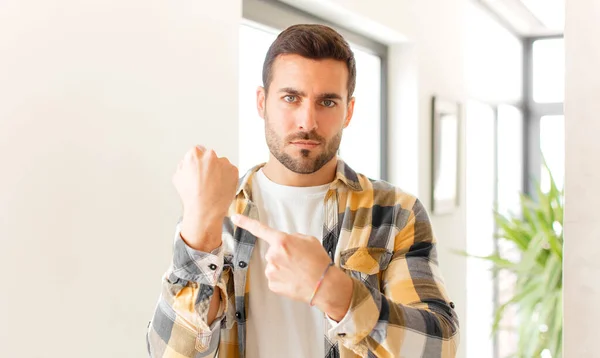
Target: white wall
<point>427,42</point>
<point>98,102</point>
<point>582,231</point>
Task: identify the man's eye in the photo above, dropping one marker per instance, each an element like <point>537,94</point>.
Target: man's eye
<point>328,103</point>
<point>289,98</point>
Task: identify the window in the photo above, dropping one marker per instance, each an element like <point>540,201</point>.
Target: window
<point>546,118</point>
<point>510,168</point>
<point>481,177</point>
<point>363,141</point>
<point>548,71</point>
<point>494,140</point>
<point>494,181</point>
<point>552,145</point>
<point>510,159</point>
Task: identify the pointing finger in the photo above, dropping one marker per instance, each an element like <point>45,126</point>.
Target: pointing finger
<point>257,229</point>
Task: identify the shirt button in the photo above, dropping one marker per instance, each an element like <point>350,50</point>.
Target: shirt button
<point>212,267</point>
<point>242,264</point>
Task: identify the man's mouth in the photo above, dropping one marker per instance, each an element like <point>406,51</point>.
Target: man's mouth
<point>305,144</point>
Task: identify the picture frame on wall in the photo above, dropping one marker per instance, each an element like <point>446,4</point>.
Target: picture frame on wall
<point>445,135</point>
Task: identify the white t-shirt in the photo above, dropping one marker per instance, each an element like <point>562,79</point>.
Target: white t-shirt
<point>278,326</point>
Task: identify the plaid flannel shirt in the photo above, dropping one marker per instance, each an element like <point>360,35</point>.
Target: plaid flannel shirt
<point>378,234</point>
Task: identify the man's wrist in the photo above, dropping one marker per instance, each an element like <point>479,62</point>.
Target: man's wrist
<point>202,232</point>
<point>335,294</point>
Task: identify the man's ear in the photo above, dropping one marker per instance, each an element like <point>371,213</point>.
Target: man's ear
<point>350,112</point>
<point>261,99</point>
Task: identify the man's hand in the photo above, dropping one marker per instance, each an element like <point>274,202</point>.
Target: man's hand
<point>295,263</point>
<point>206,185</point>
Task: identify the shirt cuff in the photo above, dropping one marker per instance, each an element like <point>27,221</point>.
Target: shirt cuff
<point>197,266</point>
<point>341,328</point>
<point>359,321</point>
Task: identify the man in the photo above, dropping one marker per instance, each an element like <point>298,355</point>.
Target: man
<point>251,273</point>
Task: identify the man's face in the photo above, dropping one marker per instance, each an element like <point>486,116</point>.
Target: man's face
<point>305,111</point>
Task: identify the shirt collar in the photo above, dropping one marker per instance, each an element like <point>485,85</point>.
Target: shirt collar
<point>344,176</point>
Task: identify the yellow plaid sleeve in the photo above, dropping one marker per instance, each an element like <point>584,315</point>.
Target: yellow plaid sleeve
<point>411,316</point>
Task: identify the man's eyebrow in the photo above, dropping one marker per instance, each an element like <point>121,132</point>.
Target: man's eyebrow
<point>329,95</point>
<point>292,91</point>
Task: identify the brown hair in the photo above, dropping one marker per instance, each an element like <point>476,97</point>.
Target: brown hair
<point>312,41</point>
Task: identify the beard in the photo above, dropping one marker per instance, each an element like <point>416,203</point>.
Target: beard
<point>303,163</point>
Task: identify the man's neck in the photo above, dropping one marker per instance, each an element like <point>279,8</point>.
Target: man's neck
<point>279,174</point>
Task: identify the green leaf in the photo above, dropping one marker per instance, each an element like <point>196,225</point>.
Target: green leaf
<point>498,261</point>
<point>556,246</point>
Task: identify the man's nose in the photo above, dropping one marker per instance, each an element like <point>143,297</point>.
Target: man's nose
<point>306,119</point>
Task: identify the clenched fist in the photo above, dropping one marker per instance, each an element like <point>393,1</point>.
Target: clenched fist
<point>206,185</point>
